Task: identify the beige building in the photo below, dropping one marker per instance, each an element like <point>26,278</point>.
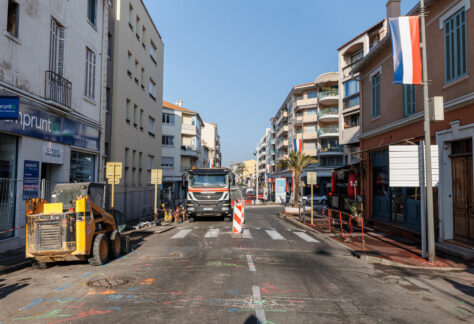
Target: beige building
<point>136,104</point>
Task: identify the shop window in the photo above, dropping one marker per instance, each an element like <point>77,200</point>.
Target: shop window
<point>381,181</point>
<point>82,167</point>
<point>8,161</point>
<point>13,18</point>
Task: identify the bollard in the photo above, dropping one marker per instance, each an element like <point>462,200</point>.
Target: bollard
<point>329,219</point>
<point>350,226</point>
<point>340,220</point>
<point>363,240</point>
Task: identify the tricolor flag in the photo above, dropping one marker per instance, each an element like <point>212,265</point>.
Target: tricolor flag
<point>211,164</point>
<point>269,170</point>
<point>405,34</point>
<point>297,145</point>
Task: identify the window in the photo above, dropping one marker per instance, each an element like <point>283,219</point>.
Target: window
<point>375,80</point>
<point>149,167</point>
<point>152,51</point>
<point>135,111</point>
<point>409,100</point>
<point>56,54</point>
<point>130,16</point>
<point>141,119</point>
<point>135,71</point>
<point>142,77</point>
<point>151,125</point>
<point>167,140</point>
<point>297,98</point>
<point>89,88</point>
<point>8,163</point>
<point>108,101</point>
<point>168,119</point>
<point>311,112</point>
<point>143,35</point>
<point>137,24</point>
<point>455,46</point>
<point>355,120</point>
<point>312,94</point>
<point>127,111</point>
<point>134,153</point>
<point>92,11</point>
<point>109,45</point>
<point>82,167</point>
<point>140,168</point>
<point>167,162</point>
<point>13,18</point>
<point>151,88</point>
<point>129,64</point>
<point>351,87</point>
<point>356,56</point>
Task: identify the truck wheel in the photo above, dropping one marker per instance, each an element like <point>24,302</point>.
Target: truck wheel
<point>126,244</point>
<point>191,219</point>
<point>227,219</point>
<point>100,250</point>
<point>115,244</point>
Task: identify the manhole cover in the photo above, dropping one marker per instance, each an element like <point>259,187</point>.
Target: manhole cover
<point>107,282</point>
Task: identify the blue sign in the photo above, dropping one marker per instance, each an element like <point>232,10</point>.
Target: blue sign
<point>280,190</point>
<point>31,179</point>
<point>9,107</point>
<point>41,124</point>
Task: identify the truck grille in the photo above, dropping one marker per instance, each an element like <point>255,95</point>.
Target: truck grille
<point>207,195</point>
<point>49,235</point>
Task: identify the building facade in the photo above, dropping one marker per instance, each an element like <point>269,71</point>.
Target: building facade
<point>393,114</point>
<point>52,75</point>
<point>211,141</point>
<point>137,92</point>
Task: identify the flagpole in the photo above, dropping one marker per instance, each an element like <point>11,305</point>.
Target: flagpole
<point>429,184</point>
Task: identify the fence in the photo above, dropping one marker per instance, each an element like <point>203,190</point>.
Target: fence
<point>343,223</point>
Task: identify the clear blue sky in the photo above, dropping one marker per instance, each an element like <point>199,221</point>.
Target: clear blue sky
<point>234,61</point>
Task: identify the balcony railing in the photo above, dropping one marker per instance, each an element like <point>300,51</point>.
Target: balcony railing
<point>331,149</point>
<point>328,130</point>
<point>328,93</point>
<point>351,101</point>
<point>57,88</point>
<point>188,148</point>
<point>333,111</point>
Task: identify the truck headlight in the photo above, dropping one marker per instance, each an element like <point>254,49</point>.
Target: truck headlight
<point>225,208</point>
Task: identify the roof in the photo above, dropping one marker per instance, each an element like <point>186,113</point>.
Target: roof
<point>304,84</point>
<point>169,105</point>
<point>377,25</point>
<point>327,77</point>
<point>384,43</point>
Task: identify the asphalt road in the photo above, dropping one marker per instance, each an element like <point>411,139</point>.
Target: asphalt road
<point>203,273</point>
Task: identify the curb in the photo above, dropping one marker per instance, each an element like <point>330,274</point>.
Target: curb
<point>15,267</point>
<point>371,259</point>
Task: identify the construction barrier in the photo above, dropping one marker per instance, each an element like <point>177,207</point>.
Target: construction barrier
<point>238,217</point>
<point>13,229</point>
<point>344,223</point>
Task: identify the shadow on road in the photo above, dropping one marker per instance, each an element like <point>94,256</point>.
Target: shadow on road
<point>6,290</point>
<point>468,290</point>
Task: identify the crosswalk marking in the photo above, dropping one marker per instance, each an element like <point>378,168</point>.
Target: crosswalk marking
<point>275,235</point>
<point>246,233</point>
<point>212,232</point>
<point>182,233</point>
<point>306,237</point>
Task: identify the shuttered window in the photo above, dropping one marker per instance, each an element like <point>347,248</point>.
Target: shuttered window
<point>56,51</point>
<point>409,100</point>
<point>375,95</point>
<point>89,84</point>
<point>455,46</point>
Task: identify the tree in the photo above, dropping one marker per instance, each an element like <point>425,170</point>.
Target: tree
<point>241,168</point>
<point>296,162</point>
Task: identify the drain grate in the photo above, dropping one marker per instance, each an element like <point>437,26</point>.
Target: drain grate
<point>107,282</point>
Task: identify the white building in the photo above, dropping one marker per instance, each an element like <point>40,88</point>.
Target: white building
<point>52,72</point>
<point>211,140</point>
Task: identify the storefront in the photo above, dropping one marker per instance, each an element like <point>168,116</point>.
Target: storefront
<point>38,150</point>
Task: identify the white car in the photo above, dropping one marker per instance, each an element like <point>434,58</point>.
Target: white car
<point>317,199</point>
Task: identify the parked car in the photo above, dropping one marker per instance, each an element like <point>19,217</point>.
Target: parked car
<point>317,199</point>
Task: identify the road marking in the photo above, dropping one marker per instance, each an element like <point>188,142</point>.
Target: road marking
<point>246,234</point>
<point>306,237</point>
<point>275,235</point>
<point>212,232</point>
<point>251,265</point>
<point>182,233</point>
<point>258,305</point>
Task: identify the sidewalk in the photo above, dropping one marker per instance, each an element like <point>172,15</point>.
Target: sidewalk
<point>381,247</point>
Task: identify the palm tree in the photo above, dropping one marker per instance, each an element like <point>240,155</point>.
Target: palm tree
<point>296,162</point>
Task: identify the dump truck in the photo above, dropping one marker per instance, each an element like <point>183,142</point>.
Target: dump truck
<point>209,193</point>
<point>74,226</point>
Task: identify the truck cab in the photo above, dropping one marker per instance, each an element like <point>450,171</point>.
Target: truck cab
<point>209,193</point>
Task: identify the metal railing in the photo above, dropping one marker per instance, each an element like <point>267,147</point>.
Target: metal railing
<point>333,111</point>
<point>328,149</point>
<point>57,88</point>
<point>328,93</point>
<point>328,130</point>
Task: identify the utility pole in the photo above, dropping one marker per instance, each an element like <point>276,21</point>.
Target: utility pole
<point>429,184</point>
<point>256,176</point>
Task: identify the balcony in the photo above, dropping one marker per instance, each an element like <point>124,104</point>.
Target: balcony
<point>57,89</point>
<point>307,136</point>
<point>189,150</point>
<point>282,143</point>
<point>328,97</point>
<point>351,101</point>
<point>331,150</point>
<point>271,152</point>
<point>328,131</point>
<point>283,116</point>
<point>329,114</point>
<point>282,130</point>
<point>187,129</point>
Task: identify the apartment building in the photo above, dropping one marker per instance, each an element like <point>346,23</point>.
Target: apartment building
<point>310,113</point>
<point>181,148</point>
<point>211,142</point>
<point>350,54</point>
<point>393,114</point>
<point>136,104</point>
<point>51,78</point>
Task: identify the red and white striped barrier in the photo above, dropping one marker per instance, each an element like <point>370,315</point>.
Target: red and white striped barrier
<point>238,217</point>
<point>13,229</point>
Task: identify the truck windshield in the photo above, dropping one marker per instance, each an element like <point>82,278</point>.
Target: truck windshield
<point>208,180</point>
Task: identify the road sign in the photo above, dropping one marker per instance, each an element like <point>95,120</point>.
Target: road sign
<point>156,176</point>
<point>311,178</point>
<point>113,170</point>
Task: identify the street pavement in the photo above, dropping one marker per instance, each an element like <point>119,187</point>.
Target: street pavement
<point>201,272</point>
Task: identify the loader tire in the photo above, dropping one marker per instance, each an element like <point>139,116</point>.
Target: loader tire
<point>126,244</point>
<point>115,244</point>
<point>100,250</point>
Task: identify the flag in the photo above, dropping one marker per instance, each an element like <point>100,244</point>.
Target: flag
<point>405,34</point>
<point>211,164</point>
<point>297,145</point>
<point>268,168</point>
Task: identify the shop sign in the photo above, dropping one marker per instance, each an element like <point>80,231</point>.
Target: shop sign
<point>53,153</point>
<point>9,108</point>
<point>41,124</point>
<point>280,190</point>
<point>31,181</point>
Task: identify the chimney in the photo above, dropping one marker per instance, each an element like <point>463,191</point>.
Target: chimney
<point>393,8</point>
<point>179,103</point>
